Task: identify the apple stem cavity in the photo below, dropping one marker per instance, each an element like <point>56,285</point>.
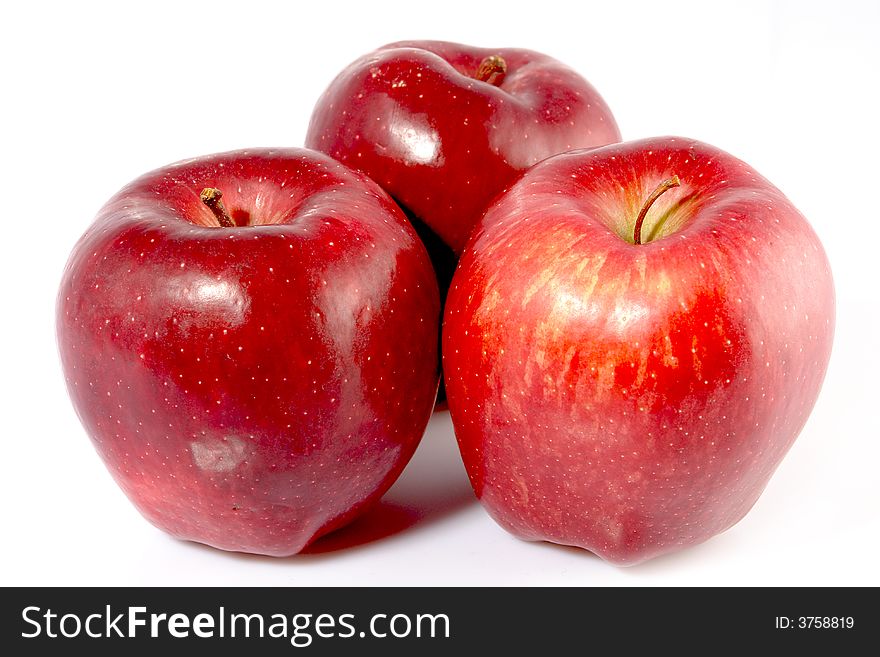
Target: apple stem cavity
<point>663,187</point>
<point>211,196</point>
<point>492,70</point>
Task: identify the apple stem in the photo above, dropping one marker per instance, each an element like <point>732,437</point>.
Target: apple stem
<point>492,70</point>
<point>211,197</point>
<point>663,187</point>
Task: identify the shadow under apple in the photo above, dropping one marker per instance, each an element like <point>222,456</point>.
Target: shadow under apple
<point>433,486</point>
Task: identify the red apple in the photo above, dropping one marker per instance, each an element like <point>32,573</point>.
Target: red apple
<point>255,369</point>
<point>444,127</point>
<point>631,390</point>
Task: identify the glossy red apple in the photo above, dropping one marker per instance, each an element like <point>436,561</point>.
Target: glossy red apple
<point>634,398</point>
<point>253,368</point>
<point>444,127</point>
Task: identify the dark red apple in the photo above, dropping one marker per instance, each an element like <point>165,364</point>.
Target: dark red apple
<point>444,127</point>
<point>633,340</point>
<point>255,366</point>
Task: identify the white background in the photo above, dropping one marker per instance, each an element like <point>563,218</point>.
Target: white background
<point>93,96</point>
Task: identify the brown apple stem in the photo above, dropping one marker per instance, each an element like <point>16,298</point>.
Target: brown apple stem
<point>211,197</point>
<point>663,187</point>
<point>492,70</point>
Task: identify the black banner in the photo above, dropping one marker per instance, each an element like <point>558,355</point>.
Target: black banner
<point>434,621</point>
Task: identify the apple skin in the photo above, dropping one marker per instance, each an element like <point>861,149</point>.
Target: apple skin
<point>634,399</point>
<point>252,387</point>
<point>412,116</point>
